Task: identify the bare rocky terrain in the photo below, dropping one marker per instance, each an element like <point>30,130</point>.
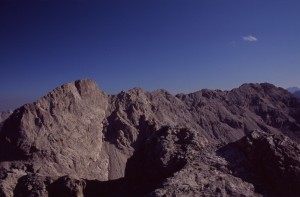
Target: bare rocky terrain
<point>79,141</point>
<point>4,115</point>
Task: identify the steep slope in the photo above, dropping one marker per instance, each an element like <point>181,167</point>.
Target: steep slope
<point>78,140</point>
<point>258,164</point>
<point>60,133</point>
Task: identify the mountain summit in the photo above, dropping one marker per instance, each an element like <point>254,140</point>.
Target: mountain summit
<point>79,141</point>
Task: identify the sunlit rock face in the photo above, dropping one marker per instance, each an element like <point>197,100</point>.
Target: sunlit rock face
<point>79,141</point>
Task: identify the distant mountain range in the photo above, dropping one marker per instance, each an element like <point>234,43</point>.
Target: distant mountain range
<point>80,141</point>
<point>295,91</point>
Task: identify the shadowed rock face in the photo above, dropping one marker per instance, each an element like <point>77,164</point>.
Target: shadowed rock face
<point>5,114</point>
<point>270,162</point>
<point>79,141</point>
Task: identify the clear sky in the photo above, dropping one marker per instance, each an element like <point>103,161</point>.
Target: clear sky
<point>178,45</point>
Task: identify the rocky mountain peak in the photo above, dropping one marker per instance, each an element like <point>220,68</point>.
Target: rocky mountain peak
<point>67,119</point>
<point>78,140</point>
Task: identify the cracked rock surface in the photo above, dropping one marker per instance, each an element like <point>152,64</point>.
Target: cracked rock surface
<point>79,141</point>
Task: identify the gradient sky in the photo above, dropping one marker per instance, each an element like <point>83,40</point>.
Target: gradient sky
<point>178,45</point>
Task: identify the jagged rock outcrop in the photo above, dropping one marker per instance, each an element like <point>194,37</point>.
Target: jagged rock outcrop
<point>79,141</point>
<point>270,162</point>
<point>59,134</point>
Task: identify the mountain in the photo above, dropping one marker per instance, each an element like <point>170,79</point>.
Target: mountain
<point>297,94</point>
<point>80,141</point>
<point>5,114</point>
<point>293,89</point>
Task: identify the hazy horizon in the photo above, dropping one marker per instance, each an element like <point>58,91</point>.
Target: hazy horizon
<point>180,46</point>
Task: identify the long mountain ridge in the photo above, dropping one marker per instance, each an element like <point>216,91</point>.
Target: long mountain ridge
<point>80,141</point>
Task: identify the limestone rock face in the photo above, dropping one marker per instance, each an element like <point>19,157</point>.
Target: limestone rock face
<point>61,133</point>
<point>79,141</point>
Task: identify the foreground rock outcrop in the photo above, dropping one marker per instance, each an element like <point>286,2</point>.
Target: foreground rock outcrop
<point>79,141</point>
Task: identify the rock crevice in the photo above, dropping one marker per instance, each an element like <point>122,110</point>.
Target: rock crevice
<point>79,141</point>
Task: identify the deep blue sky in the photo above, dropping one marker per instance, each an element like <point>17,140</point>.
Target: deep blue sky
<point>178,45</point>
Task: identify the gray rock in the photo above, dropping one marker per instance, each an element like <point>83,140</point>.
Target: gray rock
<point>8,181</point>
<point>61,133</point>
<point>79,141</point>
<point>32,185</point>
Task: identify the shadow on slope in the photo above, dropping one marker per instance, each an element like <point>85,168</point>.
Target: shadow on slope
<point>156,159</point>
<point>150,164</point>
<point>270,162</point>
